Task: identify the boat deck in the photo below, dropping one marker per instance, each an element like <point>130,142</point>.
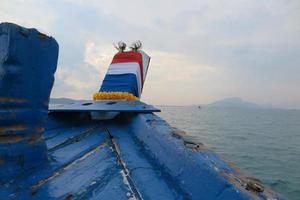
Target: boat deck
<point>134,156</point>
<point>91,160</point>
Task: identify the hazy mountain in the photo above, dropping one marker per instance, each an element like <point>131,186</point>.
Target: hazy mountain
<point>234,102</point>
<point>62,100</point>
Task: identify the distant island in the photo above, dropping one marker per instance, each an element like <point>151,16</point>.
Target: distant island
<point>233,102</point>
<point>62,100</point>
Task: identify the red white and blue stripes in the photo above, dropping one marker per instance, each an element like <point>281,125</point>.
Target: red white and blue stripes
<point>127,73</point>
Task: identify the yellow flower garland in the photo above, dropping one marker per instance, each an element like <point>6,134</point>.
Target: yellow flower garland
<point>114,95</point>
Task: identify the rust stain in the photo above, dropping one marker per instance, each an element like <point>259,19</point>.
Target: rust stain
<point>254,186</point>
<point>32,138</point>
<point>250,185</point>
<point>250,178</point>
<point>10,138</point>
<point>232,165</point>
<point>200,147</point>
<point>178,133</point>
<point>17,127</point>
<point>35,135</point>
<point>39,130</point>
<point>69,197</point>
<point>195,146</point>
<point>42,36</point>
<point>2,161</point>
<point>12,100</point>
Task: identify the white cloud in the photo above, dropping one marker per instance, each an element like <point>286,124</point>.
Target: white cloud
<point>29,13</point>
<point>98,57</point>
<point>79,82</point>
<point>178,79</point>
<point>201,50</point>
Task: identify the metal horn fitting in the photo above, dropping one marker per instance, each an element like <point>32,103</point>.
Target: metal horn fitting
<point>121,46</point>
<point>135,46</point>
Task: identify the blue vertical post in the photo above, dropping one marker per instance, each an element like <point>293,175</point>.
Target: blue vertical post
<point>28,62</point>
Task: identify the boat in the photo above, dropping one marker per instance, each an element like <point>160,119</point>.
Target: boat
<point>111,147</point>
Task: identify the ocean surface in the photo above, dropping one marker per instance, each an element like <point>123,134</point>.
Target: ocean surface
<point>264,143</point>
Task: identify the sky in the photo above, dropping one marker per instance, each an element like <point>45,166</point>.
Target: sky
<point>201,51</point>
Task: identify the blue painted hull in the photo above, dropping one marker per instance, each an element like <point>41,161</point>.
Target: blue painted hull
<point>132,156</point>
<point>70,152</point>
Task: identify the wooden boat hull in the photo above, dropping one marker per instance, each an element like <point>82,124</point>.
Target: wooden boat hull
<point>69,153</point>
<point>134,156</point>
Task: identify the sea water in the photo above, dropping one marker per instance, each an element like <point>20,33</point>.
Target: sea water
<point>264,143</point>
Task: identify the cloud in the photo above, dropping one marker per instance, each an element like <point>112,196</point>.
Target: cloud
<point>98,57</point>
<point>201,50</point>
<point>178,78</point>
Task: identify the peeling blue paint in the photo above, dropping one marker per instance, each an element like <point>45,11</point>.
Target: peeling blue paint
<point>28,61</point>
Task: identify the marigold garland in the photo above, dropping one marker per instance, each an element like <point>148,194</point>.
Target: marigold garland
<point>114,95</point>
